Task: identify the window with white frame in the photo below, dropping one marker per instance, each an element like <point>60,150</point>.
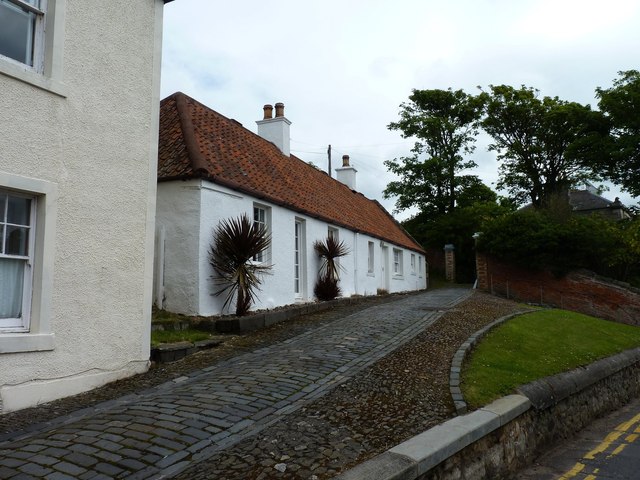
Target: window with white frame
<point>32,42</point>
<point>16,259</point>
<point>27,258</point>
<point>397,262</point>
<point>261,218</point>
<point>22,28</point>
<point>370,258</point>
<point>333,233</point>
<point>413,264</point>
<point>420,265</point>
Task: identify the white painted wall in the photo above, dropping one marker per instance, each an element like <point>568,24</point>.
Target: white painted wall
<point>91,133</point>
<point>187,284</point>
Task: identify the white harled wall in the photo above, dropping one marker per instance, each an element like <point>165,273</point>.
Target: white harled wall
<point>89,135</point>
<point>187,285</point>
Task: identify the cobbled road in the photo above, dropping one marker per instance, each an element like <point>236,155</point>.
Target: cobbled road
<point>164,430</point>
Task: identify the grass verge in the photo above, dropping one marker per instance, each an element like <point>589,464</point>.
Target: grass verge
<point>536,345</point>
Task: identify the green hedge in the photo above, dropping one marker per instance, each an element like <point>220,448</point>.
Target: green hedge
<point>539,240</point>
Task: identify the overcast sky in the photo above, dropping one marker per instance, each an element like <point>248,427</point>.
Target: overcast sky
<point>342,68</point>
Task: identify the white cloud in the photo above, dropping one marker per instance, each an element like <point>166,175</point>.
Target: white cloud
<point>343,68</point>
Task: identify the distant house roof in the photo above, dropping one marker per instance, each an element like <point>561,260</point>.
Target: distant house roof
<point>587,201</point>
<point>197,142</point>
<point>584,200</point>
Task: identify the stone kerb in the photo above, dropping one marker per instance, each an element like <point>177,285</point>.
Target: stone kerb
<point>461,354</point>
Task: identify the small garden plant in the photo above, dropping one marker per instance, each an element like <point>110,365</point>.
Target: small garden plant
<point>329,250</point>
<point>236,242</point>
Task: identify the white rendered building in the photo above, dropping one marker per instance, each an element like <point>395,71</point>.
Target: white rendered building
<point>211,168</point>
<point>80,86</point>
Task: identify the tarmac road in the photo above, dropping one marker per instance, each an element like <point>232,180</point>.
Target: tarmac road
<point>608,449</point>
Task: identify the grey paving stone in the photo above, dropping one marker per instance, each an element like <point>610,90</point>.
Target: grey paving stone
<point>63,476</point>
<point>71,469</point>
<point>108,469</point>
<point>6,472</point>
<point>80,459</point>
<point>34,469</point>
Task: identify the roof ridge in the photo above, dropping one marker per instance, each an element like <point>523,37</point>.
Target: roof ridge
<point>196,159</point>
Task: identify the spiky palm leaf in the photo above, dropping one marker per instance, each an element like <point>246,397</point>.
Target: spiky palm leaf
<point>329,250</point>
<point>236,242</point>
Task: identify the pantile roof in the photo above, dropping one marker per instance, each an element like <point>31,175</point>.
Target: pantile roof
<point>197,142</point>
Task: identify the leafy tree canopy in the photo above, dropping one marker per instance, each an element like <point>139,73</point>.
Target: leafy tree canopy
<point>444,124</point>
<point>621,105</point>
<point>538,141</point>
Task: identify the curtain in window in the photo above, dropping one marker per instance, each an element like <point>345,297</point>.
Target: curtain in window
<point>11,286</point>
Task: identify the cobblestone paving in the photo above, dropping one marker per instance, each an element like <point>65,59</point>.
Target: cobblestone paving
<point>162,431</point>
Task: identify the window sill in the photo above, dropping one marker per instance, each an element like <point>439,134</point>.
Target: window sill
<point>371,274</point>
<point>397,276</point>
<point>26,342</point>
<point>36,79</point>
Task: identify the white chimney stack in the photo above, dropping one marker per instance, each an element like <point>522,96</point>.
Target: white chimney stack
<point>346,174</point>
<point>276,130</point>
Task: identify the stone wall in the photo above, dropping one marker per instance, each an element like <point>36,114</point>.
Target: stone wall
<point>555,415</point>
<point>579,291</point>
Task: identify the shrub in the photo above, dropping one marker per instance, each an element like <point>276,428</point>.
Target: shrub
<point>537,240</point>
<point>236,242</point>
<point>329,250</point>
<point>326,288</point>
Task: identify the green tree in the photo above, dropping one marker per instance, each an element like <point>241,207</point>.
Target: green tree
<point>477,205</point>
<point>621,105</point>
<point>536,140</point>
<point>444,124</point>
<point>235,243</point>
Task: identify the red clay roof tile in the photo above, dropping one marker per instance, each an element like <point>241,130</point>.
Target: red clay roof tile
<point>197,142</point>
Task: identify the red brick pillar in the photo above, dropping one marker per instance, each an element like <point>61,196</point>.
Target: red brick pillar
<point>450,263</point>
<point>482,272</point>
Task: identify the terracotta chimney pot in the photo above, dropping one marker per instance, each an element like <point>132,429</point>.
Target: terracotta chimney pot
<point>345,160</point>
<point>268,111</point>
<point>279,109</point>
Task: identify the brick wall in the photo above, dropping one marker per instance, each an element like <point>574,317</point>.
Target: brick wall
<point>580,291</point>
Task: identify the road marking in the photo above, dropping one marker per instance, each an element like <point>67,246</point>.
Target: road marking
<point>577,468</point>
<point>617,450</point>
<point>612,437</point>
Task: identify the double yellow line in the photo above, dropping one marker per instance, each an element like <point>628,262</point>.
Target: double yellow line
<point>612,442</point>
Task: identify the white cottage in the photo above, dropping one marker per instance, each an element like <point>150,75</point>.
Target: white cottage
<point>79,83</point>
<point>210,168</point>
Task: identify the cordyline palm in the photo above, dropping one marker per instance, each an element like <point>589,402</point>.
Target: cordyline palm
<point>236,242</point>
<point>329,250</point>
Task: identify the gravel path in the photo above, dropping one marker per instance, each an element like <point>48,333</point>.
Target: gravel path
<point>397,397</point>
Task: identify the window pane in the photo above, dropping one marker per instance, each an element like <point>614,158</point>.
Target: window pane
<point>19,210</point>
<point>3,203</point>
<point>16,32</point>
<point>11,286</point>
<point>17,241</point>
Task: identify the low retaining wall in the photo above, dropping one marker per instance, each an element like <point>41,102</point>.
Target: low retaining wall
<point>498,440</point>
